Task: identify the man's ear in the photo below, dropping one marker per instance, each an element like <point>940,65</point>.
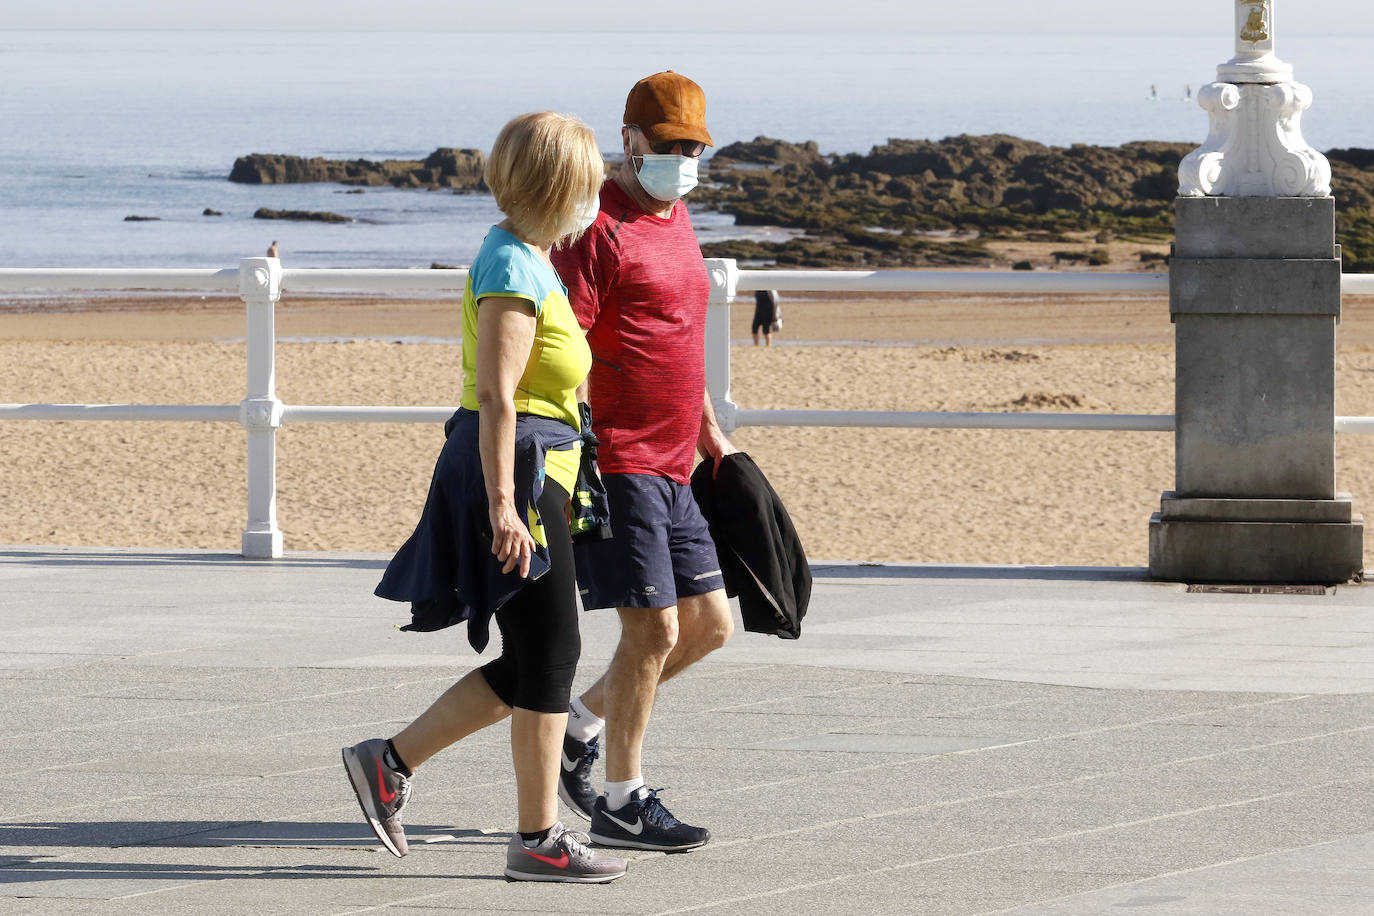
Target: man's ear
<point>625,141</point>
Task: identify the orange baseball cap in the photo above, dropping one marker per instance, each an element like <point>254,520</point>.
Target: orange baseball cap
<point>668,106</point>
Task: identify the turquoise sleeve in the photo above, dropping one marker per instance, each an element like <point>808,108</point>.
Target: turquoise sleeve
<point>503,272</point>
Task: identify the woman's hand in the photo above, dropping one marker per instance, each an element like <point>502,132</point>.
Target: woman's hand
<point>511,542</point>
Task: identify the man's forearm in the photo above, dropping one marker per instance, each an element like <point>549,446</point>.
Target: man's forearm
<point>708,413</point>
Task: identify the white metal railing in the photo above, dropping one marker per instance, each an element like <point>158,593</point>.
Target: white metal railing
<point>727,279</point>
<point>944,281</point>
<point>1357,284</point>
<point>261,281</point>
<point>951,281</point>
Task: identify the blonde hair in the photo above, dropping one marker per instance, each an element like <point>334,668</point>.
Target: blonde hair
<point>543,169</point>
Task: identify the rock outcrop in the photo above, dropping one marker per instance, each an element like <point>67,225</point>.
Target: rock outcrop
<point>317,216</point>
<point>962,182</point>
<point>456,169</point>
<point>767,151</point>
<point>887,207</point>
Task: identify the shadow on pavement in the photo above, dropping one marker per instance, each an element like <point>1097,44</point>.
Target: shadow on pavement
<point>25,871</point>
<point>191,834</point>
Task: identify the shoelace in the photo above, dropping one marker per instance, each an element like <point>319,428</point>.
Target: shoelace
<point>584,766</point>
<point>576,844</point>
<point>402,793</point>
<point>655,812</point>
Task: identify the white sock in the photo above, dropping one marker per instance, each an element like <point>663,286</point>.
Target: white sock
<point>582,723</point>
<point>618,793</point>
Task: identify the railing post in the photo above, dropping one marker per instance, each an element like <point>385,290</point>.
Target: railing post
<point>260,412</point>
<point>724,274</point>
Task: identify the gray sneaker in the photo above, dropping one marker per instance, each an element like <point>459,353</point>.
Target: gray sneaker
<point>381,791</point>
<point>563,856</point>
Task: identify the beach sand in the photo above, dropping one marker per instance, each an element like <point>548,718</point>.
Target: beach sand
<point>955,496</point>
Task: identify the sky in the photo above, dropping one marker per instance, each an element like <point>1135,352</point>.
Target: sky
<point>1014,16</point>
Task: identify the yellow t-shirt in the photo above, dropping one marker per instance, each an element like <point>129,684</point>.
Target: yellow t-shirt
<point>559,359</point>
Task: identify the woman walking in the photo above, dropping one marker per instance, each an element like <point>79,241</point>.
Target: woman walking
<point>494,535</point>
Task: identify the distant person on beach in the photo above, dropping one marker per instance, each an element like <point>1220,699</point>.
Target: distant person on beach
<point>494,535</point>
<point>767,316</point>
<point>639,286</point>
<point>272,250</point>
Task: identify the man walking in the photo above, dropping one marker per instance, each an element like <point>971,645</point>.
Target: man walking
<point>639,287</point>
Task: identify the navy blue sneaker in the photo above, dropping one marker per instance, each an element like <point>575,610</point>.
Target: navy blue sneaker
<point>644,823</point>
<point>575,776</point>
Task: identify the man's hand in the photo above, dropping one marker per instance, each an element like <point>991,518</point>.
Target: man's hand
<point>713,444</point>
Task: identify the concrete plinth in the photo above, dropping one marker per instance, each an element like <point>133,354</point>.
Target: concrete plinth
<point>1318,541</point>
<point>1255,298</point>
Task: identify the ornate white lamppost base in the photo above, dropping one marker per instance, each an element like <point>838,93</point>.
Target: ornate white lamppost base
<point>1255,147</point>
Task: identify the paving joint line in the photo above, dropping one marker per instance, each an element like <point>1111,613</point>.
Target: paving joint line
<point>1170,874</point>
<point>1008,793</point>
<point>1008,846</point>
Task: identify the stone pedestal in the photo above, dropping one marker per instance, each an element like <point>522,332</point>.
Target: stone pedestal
<point>1255,298</point>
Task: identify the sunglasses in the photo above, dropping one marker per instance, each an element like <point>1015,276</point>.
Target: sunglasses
<point>689,148</point>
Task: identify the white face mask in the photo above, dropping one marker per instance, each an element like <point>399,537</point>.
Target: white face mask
<point>587,215</point>
<point>667,176</point>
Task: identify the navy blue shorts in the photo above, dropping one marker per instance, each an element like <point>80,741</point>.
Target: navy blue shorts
<point>660,549</point>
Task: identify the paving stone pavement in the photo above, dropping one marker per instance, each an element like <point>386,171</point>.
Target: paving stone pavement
<point>941,740</point>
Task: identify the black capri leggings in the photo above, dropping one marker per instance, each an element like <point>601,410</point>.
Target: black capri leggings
<point>540,642</point>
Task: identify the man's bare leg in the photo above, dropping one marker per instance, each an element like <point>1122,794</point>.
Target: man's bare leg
<point>648,639</point>
<point>630,684</point>
<point>704,625</point>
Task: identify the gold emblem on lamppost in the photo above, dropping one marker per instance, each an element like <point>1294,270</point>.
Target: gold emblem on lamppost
<point>1256,28</point>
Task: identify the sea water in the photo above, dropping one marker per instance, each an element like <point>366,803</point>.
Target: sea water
<point>97,126</point>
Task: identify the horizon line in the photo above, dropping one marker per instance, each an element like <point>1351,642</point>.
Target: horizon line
<point>556,30</point>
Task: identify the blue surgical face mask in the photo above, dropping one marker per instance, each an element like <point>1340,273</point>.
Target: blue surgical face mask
<point>666,176</point>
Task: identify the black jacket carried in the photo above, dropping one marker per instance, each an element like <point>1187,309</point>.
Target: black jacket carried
<point>761,557</point>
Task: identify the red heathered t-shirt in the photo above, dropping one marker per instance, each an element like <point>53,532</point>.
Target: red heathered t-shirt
<point>638,284</point>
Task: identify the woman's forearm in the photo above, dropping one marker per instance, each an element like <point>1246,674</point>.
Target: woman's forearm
<point>496,444</point>
<point>505,334</point>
